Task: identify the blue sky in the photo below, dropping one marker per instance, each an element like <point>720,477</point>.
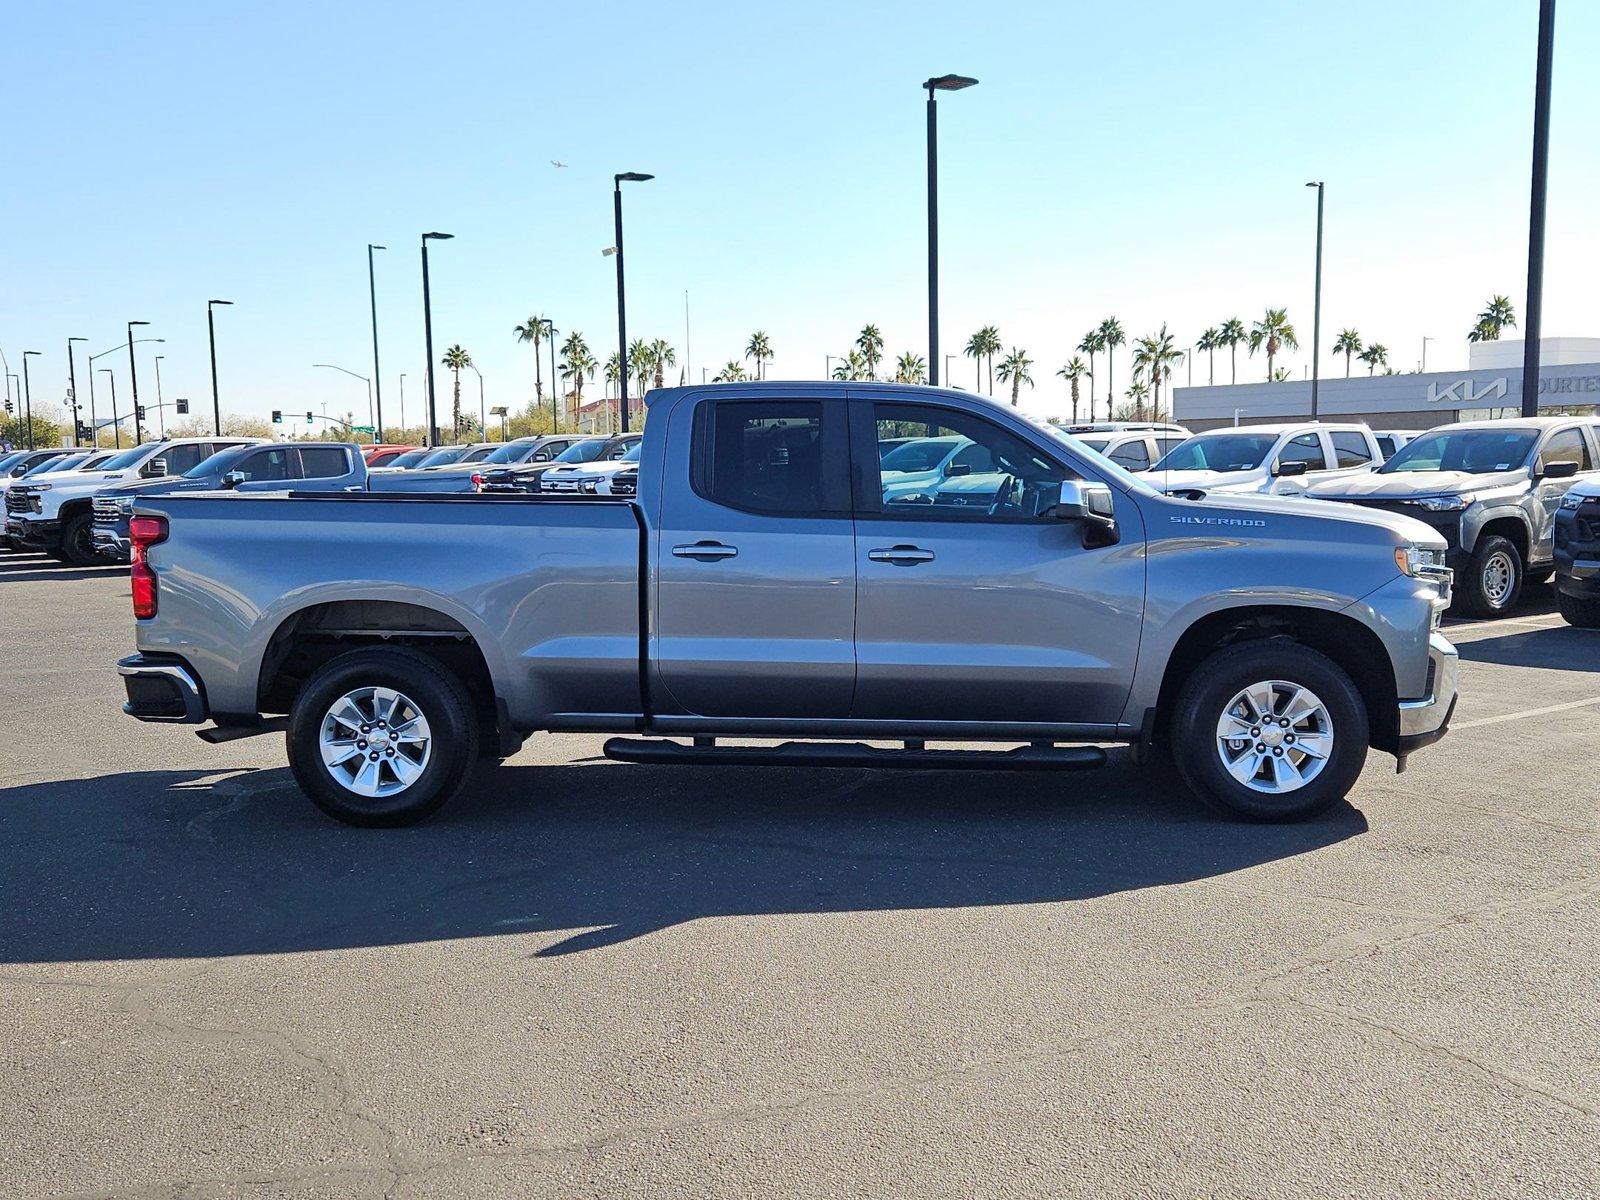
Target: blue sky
<point>1145,160</point>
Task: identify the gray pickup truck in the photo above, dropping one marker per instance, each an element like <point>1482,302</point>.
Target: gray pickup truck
<point>760,586</point>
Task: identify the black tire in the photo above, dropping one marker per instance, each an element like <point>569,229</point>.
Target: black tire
<point>435,692</point>
<point>1206,697</point>
<point>1577,610</point>
<point>77,541</point>
<point>1476,594</point>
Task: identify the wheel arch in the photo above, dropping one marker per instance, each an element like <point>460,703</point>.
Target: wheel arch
<point>1351,645</point>
<point>1511,525</point>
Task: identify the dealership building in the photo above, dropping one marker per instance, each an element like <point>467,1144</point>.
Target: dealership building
<point>1491,386</point>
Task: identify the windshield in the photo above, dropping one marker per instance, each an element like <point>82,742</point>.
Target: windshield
<point>476,454</point>
<point>633,453</point>
<point>1113,471</point>
<point>581,451</point>
<point>443,458</point>
<point>1475,451</point>
<point>62,462</point>
<point>126,459</point>
<point>10,459</point>
<point>409,459</point>
<point>922,454</point>
<point>1220,452</point>
<point>213,465</point>
<point>511,452</point>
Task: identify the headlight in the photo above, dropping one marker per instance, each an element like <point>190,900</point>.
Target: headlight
<point>125,505</point>
<point>1444,503</point>
<point>43,487</point>
<point>1571,501</point>
<point>1418,560</point>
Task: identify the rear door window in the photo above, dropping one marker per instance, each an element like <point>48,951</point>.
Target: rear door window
<point>266,466</point>
<point>1132,455</point>
<point>768,456</point>
<point>1306,448</point>
<point>1350,448</point>
<point>323,462</point>
<point>180,458</point>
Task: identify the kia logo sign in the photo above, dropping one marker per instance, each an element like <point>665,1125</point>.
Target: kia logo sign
<point>1462,394</point>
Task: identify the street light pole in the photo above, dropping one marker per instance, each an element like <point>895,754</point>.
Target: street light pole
<point>1316,317</point>
<point>402,402</point>
<point>483,411</point>
<point>1536,205</point>
<point>1422,368</point>
<point>431,436</point>
<point>377,372</point>
<point>211,332</point>
<point>940,83</point>
<point>161,415</point>
<point>365,380</point>
<point>133,375</point>
<point>27,393</point>
<point>72,383</point>
<point>550,328</point>
<point>622,296</point>
<point>116,421</point>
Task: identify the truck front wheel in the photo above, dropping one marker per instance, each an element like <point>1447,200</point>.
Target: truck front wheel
<point>382,736</point>
<point>1578,611</point>
<point>1492,581</point>
<point>1269,731</point>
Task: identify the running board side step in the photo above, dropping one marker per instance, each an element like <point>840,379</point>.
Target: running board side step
<point>705,752</point>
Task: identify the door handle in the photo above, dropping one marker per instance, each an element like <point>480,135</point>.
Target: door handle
<point>902,556</point>
<point>705,551</point>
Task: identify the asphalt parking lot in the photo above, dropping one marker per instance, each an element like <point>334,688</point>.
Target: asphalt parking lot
<point>605,980</point>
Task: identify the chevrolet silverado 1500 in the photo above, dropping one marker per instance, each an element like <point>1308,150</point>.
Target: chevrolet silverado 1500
<point>760,586</point>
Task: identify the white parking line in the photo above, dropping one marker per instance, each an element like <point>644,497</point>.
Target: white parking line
<point>1532,712</point>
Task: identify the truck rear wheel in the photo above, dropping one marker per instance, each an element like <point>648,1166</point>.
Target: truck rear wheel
<point>1269,731</point>
<point>1578,611</point>
<point>77,541</point>
<point>1491,584</point>
<point>382,736</point>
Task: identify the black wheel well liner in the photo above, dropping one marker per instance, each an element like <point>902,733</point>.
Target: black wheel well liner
<point>1513,529</point>
<point>1356,649</point>
<point>306,639</point>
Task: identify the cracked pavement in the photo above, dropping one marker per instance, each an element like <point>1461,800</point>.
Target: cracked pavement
<point>590,979</point>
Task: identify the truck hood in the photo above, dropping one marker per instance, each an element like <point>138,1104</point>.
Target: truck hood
<point>78,482</point>
<point>1403,485</point>
<point>1169,481</point>
<point>1231,510</point>
<point>159,485</point>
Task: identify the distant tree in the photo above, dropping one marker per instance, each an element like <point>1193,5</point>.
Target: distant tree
<point>1075,370</point>
<point>1209,341</point>
<point>1112,335</point>
<point>852,367</point>
<point>1273,332</point>
<point>533,330</point>
<point>662,356</point>
<point>613,369</point>
<point>1375,356</point>
<point>1093,343</point>
<point>911,367</point>
<point>1348,343</point>
<point>759,347</point>
<point>1014,369</point>
<point>1230,335</point>
<point>1156,355</point>
<point>458,360</point>
<point>732,372</point>
<point>577,362</point>
<point>870,343</point>
<point>975,349</point>
<point>1498,316</point>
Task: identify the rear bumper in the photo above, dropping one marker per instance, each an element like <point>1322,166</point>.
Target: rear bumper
<point>1425,721</point>
<point>161,689</point>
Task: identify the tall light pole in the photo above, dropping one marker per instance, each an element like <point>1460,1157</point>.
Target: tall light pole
<point>1536,205</point>
<point>353,375</point>
<point>483,411</point>
<point>377,372</point>
<point>211,333</point>
<point>622,296</point>
<point>402,400</point>
<point>72,383</point>
<point>431,437</point>
<point>27,393</point>
<point>550,327</point>
<point>116,427</point>
<point>1422,367</point>
<point>1316,314</point>
<point>940,83</point>
<point>133,375</point>
<point>160,413</point>
<point>116,422</point>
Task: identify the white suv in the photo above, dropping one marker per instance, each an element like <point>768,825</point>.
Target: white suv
<point>1281,460</point>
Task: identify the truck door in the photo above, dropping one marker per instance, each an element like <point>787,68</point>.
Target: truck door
<point>755,576</point>
<point>974,603</point>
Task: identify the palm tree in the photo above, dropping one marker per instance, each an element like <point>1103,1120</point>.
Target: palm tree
<point>662,356</point>
<point>870,343</point>
<point>640,362</point>
<point>1156,356</point>
<point>1230,335</point>
<point>991,346</point>
<point>760,349</point>
<point>613,370</point>
<point>458,360</point>
<point>1137,392</point>
<point>975,349</point>
<point>1500,315</point>
<point>533,330</point>
<point>1075,370</point>
<point>1274,332</point>
<point>1375,356</point>
<point>910,367</point>
<point>577,361</point>
<point>732,372</point>
<point>1348,343</point>
<point>1091,345</point>
<point>1014,370</point>
<point>852,367</point>
<point>1209,341</point>
<point>1111,333</point>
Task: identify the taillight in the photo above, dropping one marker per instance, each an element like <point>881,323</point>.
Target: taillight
<point>144,532</point>
<point>477,483</point>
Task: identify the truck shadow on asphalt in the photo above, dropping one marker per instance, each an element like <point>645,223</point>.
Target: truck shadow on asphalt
<point>177,864</point>
<point>17,568</point>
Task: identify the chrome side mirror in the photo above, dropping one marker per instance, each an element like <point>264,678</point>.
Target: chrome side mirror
<point>1289,470</point>
<point>233,479</point>
<point>1089,504</point>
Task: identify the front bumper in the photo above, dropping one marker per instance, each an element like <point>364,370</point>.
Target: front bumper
<point>112,541</point>
<point>1577,552</point>
<point>161,689</point>
<point>35,534</point>
<point>1425,721</point>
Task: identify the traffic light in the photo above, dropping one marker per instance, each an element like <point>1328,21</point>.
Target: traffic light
<point>309,417</point>
<point>140,415</point>
<point>277,416</point>
<point>85,434</point>
<point>183,408</point>
<point>9,409</point>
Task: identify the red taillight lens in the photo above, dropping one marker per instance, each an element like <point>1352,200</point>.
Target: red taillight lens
<point>477,483</point>
<point>144,532</point>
